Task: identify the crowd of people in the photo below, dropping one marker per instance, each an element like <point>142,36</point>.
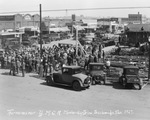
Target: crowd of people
<point>30,59</point>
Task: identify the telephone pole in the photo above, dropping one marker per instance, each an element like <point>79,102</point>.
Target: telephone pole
<point>40,32</point>
<point>41,65</point>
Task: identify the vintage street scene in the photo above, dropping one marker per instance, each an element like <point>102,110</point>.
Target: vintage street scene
<point>74,60</point>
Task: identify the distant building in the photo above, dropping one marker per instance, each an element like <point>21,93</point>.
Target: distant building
<point>133,19</point>
<point>18,20</point>
<point>138,33</point>
<point>73,17</point>
<point>56,22</point>
<point>111,24</point>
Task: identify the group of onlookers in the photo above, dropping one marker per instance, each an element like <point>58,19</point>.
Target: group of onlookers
<point>30,59</point>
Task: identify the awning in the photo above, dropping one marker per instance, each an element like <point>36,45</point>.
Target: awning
<point>11,33</point>
<point>78,27</point>
<point>59,29</point>
<point>29,28</point>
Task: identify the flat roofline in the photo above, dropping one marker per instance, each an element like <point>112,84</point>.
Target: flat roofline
<point>11,33</point>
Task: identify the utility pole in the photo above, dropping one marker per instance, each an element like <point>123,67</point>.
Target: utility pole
<point>76,41</point>
<point>40,32</point>
<point>41,65</point>
<point>149,59</point>
<point>76,45</point>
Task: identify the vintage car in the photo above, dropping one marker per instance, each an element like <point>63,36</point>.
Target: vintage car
<point>130,76</point>
<point>1,54</point>
<point>97,72</point>
<point>70,76</point>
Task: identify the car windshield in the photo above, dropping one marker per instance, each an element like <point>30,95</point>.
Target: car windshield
<point>97,67</point>
<point>76,71</point>
<point>131,71</point>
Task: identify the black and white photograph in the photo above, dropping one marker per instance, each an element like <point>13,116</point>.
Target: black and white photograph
<point>75,59</point>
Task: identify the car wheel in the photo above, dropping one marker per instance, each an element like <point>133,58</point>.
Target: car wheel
<point>48,80</point>
<point>102,82</point>
<point>137,86</point>
<point>88,87</point>
<point>124,82</point>
<point>120,80</point>
<point>93,81</point>
<point>105,79</point>
<point>76,86</point>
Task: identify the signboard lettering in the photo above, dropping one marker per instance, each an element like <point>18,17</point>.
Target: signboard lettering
<point>7,18</point>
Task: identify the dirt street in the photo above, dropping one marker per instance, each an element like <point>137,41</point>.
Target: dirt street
<point>30,98</point>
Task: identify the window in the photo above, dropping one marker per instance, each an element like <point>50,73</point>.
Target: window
<point>97,67</point>
<point>132,71</point>
<point>76,71</point>
<point>66,70</point>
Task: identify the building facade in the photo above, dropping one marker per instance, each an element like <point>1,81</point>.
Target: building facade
<point>133,19</point>
<point>56,22</point>
<point>111,24</point>
<point>18,20</point>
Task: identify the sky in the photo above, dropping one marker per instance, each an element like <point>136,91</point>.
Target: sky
<point>33,5</point>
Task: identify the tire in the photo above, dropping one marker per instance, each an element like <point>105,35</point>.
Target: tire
<point>48,80</point>
<point>76,86</point>
<point>102,82</point>
<point>137,86</point>
<point>93,81</point>
<point>124,82</point>
<point>105,79</point>
<point>120,80</point>
<point>88,87</point>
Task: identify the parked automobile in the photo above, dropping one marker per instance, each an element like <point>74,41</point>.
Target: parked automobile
<point>98,73</point>
<point>130,76</point>
<point>1,53</point>
<point>70,76</point>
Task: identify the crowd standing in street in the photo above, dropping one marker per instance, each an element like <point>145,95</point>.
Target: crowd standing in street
<point>28,59</point>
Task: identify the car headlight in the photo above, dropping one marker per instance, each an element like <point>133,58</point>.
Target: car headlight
<point>87,80</point>
<point>136,79</point>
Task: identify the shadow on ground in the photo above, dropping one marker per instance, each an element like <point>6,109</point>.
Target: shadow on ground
<point>37,76</point>
<point>7,73</point>
<point>116,85</point>
<point>57,86</point>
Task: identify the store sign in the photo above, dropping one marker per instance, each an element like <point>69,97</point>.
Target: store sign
<point>7,18</point>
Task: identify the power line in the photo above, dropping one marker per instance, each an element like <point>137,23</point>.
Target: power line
<point>79,9</point>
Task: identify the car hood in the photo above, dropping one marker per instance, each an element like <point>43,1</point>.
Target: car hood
<point>131,76</point>
<point>80,75</point>
<point>101,73</point>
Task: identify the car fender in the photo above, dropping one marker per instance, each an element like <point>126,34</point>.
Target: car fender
<point>141,81</point>
<point>56,75</point>
<point>49,77</point>
<point>81,84</point>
